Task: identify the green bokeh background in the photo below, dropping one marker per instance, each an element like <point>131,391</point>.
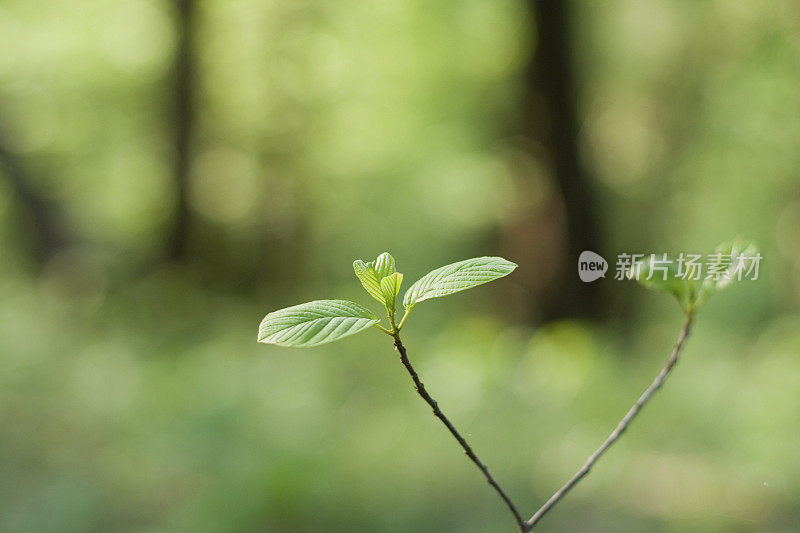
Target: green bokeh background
<point>133,396</point>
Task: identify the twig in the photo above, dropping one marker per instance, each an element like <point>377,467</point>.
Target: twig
<point>420,388</point>
<point>620,429</point>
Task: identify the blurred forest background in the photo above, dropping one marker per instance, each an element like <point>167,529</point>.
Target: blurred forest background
<point>172,171</point>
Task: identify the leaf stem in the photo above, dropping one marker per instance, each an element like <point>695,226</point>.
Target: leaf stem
<point>403,320</point>
<point>618,431</point>
<point>420,388</point>
<point>383,329</point>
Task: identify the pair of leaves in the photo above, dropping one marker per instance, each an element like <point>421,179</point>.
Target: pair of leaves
<point>380,279</point>
<point>670,276</point>
<point>321,321</point>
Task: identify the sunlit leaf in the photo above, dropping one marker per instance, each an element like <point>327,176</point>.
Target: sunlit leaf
<point>457,277</point>
<point>390,287</point>
<point>368,278</point>
<point>370,274</point>
<point>384,265</point>
<point>314,323</point>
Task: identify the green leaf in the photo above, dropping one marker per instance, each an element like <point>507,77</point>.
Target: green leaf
<point>390,287</point>
<point>370,274</point>
<point>733,250</point>
<point>369,279</point>
<point>314,323</point>
<point>384,265</point>
<point>457,277</point>
<point>730,256</point>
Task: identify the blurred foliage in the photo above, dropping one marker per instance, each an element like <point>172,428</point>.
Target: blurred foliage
<point>134,397</point>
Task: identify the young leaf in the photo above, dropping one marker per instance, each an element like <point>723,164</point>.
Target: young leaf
<point>390,287</point>
<point>368,278</point>
<point>729,256</point>
<point>457,277</point>
<point>384,265</point>
<point>314,323</point>
<point>370,274</point>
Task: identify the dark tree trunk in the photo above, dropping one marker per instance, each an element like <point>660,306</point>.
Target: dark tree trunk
<point>183,120</point>
<point>552,122</point>
<point>46,225</point>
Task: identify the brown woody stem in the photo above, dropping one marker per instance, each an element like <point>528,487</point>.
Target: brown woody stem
<point>420,388</point>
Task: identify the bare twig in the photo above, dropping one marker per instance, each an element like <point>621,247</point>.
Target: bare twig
<point>620,429</point>
<point>420,388</point>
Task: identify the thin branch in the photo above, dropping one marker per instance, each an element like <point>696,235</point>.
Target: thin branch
<point>620,429</point>
<point>420,388</point>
